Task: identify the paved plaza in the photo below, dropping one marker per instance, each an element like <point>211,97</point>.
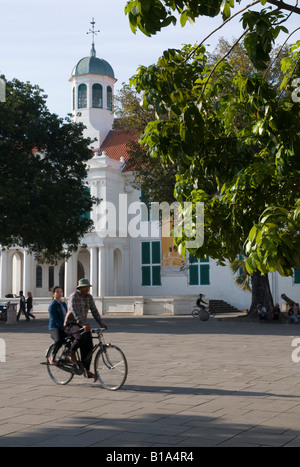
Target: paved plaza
<point>224,382</point>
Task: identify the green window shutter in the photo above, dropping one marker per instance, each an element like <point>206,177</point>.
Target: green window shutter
<point>86,214</point>
<point>146,277</point>
<point>155,252</point>
<point>151,268</point>
<point>156,275</point>
<point>193,259</point>
<point>204,274</point>
<point>194,275</point>
<point>145,252</point>
<point>204,260</point>
<point>297,275</point>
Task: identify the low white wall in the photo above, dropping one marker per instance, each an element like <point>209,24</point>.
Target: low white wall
<point>135,306</point>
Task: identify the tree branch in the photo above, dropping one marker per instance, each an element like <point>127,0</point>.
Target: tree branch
<point>288,17</point>
<point>281,48</point>
<point>220,26</point>
<point>218,63</point>
<point>285,6</point>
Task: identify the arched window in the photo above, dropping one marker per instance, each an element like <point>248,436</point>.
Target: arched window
<point>39,277</point>
<point>97,96</point>
<point>82,96</point>
<point>109,98</point>
<point>51,277</point>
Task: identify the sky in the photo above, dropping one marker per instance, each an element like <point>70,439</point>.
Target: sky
<point>42,40</point>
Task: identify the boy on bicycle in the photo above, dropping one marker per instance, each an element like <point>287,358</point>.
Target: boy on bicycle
<point>199,301</point>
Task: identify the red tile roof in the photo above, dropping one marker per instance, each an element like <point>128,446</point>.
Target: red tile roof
<point>115,144</point>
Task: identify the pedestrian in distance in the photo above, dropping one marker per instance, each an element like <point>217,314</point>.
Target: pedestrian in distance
<point>22,306</point>
<point>29,304</point>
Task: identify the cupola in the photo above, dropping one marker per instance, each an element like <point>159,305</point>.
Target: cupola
<point>93,82</point>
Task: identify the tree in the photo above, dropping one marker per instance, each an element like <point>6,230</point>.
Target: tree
<point>155,180</point>
<point>129,113</point>
<point>43,198</point>
<point>245,171</point>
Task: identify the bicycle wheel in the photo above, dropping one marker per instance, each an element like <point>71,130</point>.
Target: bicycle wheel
<point>195,313</point>
<point>111,367</point>
<point>57,374</point>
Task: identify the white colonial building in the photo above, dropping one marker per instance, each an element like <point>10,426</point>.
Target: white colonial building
<point>130,266</point>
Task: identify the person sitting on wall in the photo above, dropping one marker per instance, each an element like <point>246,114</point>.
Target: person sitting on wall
<point>262,312</point>
<point>295,314</point>
<point>276,313</point>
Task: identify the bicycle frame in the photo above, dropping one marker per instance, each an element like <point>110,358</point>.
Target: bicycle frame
<point>77,368</point>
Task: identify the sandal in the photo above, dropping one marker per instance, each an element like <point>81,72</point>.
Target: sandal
<point>51,361</point>
<point>89,374</point>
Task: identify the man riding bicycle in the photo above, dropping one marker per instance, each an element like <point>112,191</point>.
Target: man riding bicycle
<point>80,302</point>
<point>199,301</point>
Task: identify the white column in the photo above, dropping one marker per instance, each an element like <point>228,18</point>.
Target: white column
<point>94,270</point>
<point>27,272</point>
<point>102,278</point>
<point>89,95</point>
<point>9,283</point>
<point>111,274</point>
<point>70,275</point>
<point>3,274</point>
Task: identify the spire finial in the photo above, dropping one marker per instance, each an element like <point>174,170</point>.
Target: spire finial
<point>94,33</point>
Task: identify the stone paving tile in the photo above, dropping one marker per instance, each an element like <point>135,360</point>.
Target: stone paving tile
<point>259,439</point>
<point>189,384</point>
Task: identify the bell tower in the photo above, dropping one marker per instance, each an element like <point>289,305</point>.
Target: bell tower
<point>93,81</point>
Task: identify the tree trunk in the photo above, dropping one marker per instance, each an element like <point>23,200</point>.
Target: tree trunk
<point>261,293</point>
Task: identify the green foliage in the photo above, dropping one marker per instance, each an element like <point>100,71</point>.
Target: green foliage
<point>150,16</point>
<point>230,132</point>
<point>155,179</point>
<point>43,170</point>
<point>242,276</point>
<point>274,243</point>
<point>264,28</point>
<point>235,142</point>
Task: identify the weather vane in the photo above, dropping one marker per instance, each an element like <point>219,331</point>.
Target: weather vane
<point>92,31</point>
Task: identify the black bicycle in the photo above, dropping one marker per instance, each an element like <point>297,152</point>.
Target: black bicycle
<point>197,310</point>
<point>110,364</point>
